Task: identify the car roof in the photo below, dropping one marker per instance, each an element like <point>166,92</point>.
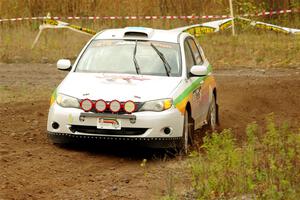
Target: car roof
<point>140,33</point>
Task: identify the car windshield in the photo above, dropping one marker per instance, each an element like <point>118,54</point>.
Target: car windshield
<point>131,57</point>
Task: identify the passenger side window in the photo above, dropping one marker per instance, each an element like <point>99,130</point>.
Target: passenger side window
<point>189,60</point>
<point>196,52</point>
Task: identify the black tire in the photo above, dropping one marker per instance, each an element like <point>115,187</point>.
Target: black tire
<point>58,139</point>
<point>187,134</point>
<point>213,115</point>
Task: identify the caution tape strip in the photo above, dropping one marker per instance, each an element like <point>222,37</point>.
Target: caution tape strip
<point>118,17</point>
<point>209,27</point>
<point>264,13</point>
<point>197,30</point>
<point>271,27</point>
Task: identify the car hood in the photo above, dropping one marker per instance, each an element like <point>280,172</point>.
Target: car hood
<point>118,86</point>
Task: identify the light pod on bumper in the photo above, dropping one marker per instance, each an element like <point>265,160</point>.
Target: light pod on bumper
<point>86,105</point>
<point>129,106</point>
<point>100,105</point>
<point>115,106</point>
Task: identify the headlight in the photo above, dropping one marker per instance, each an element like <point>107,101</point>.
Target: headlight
<point>67,101</point>
<point>157,105</point>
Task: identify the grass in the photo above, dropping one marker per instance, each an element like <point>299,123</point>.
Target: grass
<point>23,93</point>
<point>251,49</point>
<point>264,166</point>
<point>147,7</point>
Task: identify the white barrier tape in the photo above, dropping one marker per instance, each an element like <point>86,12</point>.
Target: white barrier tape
<point>119,17</point>
<point>196,30</point>
<point>267,13</point>
<point>209,27</point>
<point>55,24</point>
<point>271,27</point>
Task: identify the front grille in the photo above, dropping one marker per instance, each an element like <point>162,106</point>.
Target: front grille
<point>95,130</point>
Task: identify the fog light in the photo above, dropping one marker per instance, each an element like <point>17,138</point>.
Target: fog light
<point>55,125</point>
<point>81,118</point>
<point>132,120</point>
<point>167,130</point>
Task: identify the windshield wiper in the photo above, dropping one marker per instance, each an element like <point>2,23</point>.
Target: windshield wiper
<point>163,58</point>
<point>136,64</point>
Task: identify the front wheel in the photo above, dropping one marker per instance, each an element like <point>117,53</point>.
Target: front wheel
<point>187,134</point>
<point>212,118</point>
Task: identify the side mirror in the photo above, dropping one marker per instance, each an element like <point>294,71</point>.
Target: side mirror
<point>63,64</point>
<point>199,70</point>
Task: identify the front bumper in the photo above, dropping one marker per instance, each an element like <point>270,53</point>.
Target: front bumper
<point>149,125</point>
<point>62,138</point>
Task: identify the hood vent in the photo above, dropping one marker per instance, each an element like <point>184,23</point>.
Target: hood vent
<point>137,32</point>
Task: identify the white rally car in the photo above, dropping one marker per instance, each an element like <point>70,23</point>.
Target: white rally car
<point>136,84</point>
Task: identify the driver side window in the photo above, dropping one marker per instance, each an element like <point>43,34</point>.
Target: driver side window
<point>195,51</point>
<point>189,59</point>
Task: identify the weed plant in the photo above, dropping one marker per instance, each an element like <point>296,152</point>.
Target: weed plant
<point>266,166</point>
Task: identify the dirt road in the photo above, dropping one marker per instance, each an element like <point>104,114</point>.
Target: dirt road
<point>33,168</point>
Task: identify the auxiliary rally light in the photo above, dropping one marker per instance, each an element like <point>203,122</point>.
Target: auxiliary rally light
<point>114,106</point>
<point>129,106</point>
<point>86,105</point>
<point>100,105</point>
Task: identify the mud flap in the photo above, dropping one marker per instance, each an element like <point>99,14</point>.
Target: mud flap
<point>156,143</point>
<point>218,118</point>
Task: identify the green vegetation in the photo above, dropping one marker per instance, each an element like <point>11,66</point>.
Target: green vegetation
<point>22,93</point>
<point>266,166</point>
<point>137,7</point>
<point>251,48</point>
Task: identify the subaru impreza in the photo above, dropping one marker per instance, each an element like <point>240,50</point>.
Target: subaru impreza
<point>136,84</point>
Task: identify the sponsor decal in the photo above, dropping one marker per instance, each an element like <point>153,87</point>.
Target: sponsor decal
<point>200,30</point>
<point>270,27</point>
<point>53,97</point>
<point>225,25</point>
<point>207,27</point>
<point>70,119</point>
<point>125,78</point>
<point>181,100</point>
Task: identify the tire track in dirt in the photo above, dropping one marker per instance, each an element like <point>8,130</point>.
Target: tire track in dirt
<point>33,168</point>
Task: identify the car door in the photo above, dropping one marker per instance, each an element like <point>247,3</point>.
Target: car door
<point>207,86</point>
<point>200,95</point>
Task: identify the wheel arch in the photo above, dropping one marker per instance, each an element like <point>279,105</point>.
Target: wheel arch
<point>188,108</point>
<point>215,93</point>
